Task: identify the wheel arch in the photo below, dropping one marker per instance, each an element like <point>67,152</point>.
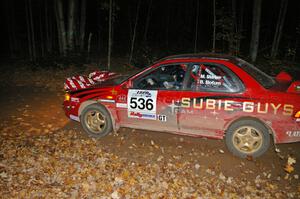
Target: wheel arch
<point>265,123</point>
<point>89,102</point>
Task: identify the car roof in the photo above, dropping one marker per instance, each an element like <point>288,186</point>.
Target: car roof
<point>214,56</point>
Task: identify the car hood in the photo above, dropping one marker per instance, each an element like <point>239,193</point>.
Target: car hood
<point>93,92</point>
<point>94,79</point>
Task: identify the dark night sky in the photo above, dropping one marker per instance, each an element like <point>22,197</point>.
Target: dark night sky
<point>176,16</point>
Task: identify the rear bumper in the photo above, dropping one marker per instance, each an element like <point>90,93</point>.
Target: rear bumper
<point>288,133</point>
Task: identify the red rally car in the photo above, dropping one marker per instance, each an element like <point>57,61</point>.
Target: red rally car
<point>213,96</point>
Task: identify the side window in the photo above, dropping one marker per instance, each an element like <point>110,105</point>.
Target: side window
<point>168,77</point>
<point>213,78</point>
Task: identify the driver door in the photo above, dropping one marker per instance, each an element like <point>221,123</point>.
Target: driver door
<point>153,100</point>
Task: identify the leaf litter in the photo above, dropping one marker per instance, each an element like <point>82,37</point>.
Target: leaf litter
<point>64,165</point>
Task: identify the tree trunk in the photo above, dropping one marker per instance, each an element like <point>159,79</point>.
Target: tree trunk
<point>61,27</point>
<point>42,40</point>
<point>32,31</point>
<point>167,25</point>
<point>214,31</point>
<point>240,26</point>
<point>109,33</point>
<point>147,21</point>
<point>255,29</point>
<point>28,30</point>
<point>233,46</point>
<point>47,29</point>
<point>99,48</point>
<point>89,45</point>
<point>71,25</point>
<point>196,27</point>
<point>134,31</point>
<point>11,27</point>
<point>278,32</point>
<point>82,24</point>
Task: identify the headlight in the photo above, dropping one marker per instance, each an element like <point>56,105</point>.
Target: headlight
<point>67,97</point>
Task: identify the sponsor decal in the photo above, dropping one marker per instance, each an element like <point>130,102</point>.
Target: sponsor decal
<point>121,98</point>
<point>162,118</point>
<point>231,105</point>
<point>142,115</point>
<point>293,133</point>
<point>142,102</point>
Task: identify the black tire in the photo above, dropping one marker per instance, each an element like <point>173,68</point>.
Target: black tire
<point>89,117</point>
<point>247,138</point>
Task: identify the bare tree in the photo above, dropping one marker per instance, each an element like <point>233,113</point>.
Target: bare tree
<point>214,31</point>
<point>89,45</point>
<point>71,25</point>
<point>60,21</point>
<point>196,27</point>
<point>109,33</point>
<point>10,19</point>
<point>167,24</point>
<point>234,49</point>
<point>82,24</point>
<point>30,30</point>
<point>47,27</point>
<point>134,31</point>
<point>240,25</point>
<point>255,29</point>
<point>42,40</point>
<point>278,32</point>
<point>147,21</point>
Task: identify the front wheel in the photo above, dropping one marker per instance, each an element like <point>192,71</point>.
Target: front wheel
<point>247,138</point>
<point>96,121</point>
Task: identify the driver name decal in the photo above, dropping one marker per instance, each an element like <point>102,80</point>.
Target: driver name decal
<point>142,104</point>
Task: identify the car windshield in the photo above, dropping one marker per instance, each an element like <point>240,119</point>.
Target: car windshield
<point>261,77</point>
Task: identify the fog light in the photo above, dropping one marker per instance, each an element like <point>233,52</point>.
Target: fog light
<point>67,97</point>
<point>297,115</point>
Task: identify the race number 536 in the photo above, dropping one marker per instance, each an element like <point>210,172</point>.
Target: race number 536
<point>142,104</point>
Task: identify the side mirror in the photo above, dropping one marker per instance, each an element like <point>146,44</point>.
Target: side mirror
<point>127,85</point>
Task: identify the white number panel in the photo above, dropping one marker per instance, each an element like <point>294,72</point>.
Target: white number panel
<point>142,104</point>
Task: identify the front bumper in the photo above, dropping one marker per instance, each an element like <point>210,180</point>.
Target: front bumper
<point>71,110</point>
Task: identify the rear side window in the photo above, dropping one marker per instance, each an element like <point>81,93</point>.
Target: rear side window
<point>213,78</point>
<point>261,77</point>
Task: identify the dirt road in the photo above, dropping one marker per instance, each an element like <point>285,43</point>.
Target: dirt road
<point>43,154</point>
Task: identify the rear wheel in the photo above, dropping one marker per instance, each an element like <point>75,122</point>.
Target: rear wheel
<point>247,138</point>
<point>96,121</point>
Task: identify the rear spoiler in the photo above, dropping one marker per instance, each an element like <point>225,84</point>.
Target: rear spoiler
<point>287,78</point>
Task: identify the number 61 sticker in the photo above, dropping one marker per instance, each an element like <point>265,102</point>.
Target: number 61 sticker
<point>142,104</point>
